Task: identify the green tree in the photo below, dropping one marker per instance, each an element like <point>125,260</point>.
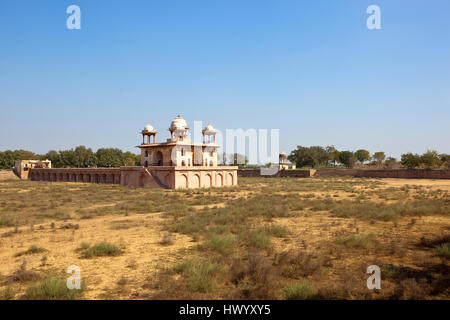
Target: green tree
<point>84,157</point>
<point>362,155</point>
<point>333,154</point>
<point>390,162</point>
<point>109,157</point>
<point>312,156</point>
<point>131,159</point>
<point>410,160</point>
<point>379,157</point>
<point>430,159</point>
<point>347,158</point>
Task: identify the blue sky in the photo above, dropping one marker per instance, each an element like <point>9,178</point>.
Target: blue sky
<point>309,68</point>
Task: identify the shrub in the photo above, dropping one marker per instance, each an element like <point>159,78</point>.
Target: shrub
<point>258,239</point>
<point>358,241</point>
<point>52,289</point>
<point>298,291</point>
<point>166,239</point>
<point>7,293</point>
<point>220,243</point>
<point>276,231</point>
<point>444,250</point>
<point>6,222</point>
<point>31,250</point>
<point>200,273</point>
<point>102,249</point>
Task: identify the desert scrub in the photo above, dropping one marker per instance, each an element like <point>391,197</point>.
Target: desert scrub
<point>358,241</point>
<point>298,291</point>
<point>258,239</point>
<point>444,250</point>
<point>220,243</point>
<point>200,273</point>
<point>52,289</point>
<point>393,211</point>
<point>7,293</point>
<point>276,231</point>
<point>102,249</point>
<point>31,250</point>
<point>4,222</point>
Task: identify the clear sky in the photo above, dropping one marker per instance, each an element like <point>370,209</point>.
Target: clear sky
<point>309,68</point>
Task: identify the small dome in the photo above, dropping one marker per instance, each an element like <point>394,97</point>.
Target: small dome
<point>283,154</point>
<point>209,129</point>
<point>148,128</point>
<point>178,124</point>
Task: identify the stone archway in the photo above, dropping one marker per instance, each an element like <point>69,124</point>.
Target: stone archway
<point>184,181</point>
<point>230,179</point>
<point>141,180</point>
<point>219,180</point>
<point>158,158</point>
<point>195,181</point>
<point>208,181</point>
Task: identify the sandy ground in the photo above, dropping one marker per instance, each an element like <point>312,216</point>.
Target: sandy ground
<point>138,235</point>
<point>143,255</point>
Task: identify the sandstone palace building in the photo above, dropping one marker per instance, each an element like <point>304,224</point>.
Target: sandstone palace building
<point>177,163</point>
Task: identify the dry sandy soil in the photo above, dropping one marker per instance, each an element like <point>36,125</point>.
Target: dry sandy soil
<point>59,217</point>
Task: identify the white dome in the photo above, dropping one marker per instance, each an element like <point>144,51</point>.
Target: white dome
<point>148,128</point>
<point>178,124</point>
<point>209,129</point>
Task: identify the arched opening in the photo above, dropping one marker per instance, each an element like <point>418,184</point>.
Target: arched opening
<point>196,181</point>
<point>80,177</point>
<point>103,178</point>
<point>141,180</point>
<point>67,177</point>
<point>183,163</point>
<point>87,178</point>
<point>158,158</point>
<point>73,178</point>
<point>211,163</point>
<point>96,178</point>
<point>219,181</point>
<point>184,181</point>
<point>230,179</point>
<point>146,163</point>
<point>208,181</point>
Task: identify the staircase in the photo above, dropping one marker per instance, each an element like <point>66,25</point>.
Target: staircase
<point>155,177</point>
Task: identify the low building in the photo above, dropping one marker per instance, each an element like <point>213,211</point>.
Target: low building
<point>177,163</point>
<point>22,167</point>
<point>284,163</point>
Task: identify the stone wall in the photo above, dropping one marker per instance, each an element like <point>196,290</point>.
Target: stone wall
<point>168,177</point>
<point>281,173</point>
<point>368,173</point>
<point>405,174</point>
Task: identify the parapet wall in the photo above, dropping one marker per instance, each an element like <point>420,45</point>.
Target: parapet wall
<point>368,173</point>
<point>168,177</point>
<point>405,174</point>
<point>281,173</point>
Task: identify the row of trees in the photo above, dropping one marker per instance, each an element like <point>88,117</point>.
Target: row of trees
<point>316,156</point>
<point>80,157</point>
<point>430,159</point>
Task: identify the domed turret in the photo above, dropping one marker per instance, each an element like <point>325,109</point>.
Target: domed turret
<point>209,131</point>
<point>148,128</point>
<point>148,132</point>
<point>178,128</point>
